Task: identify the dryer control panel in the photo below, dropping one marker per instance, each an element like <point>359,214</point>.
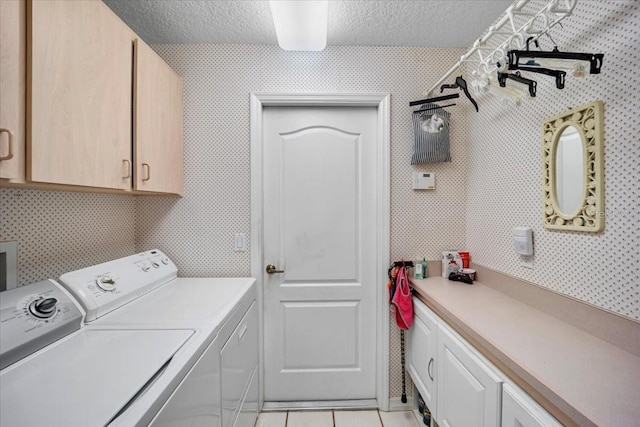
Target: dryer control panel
<point>104,287</point>
<point>34,316</point>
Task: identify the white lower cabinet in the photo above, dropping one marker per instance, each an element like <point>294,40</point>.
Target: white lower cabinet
<point>459,385</point>
<point>520,410</point>
<point>221,390</point>
<point>468,388</point>
<point>422,352</point>
<point>196,401</point>
<point>239,362</point>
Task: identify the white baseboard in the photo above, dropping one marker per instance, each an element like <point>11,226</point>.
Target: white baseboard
<point>320,405</point>
<point>395,404</point>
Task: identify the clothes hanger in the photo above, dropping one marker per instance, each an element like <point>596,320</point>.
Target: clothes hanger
<point>462,84</point>
<point>558,74</point>
<point>434,99</point>
<point>514,56</point>
<point>507,94</point>
<point>594,59</point>
<point>435,107</point>
<point>484,84</point>
<point>532,84</point>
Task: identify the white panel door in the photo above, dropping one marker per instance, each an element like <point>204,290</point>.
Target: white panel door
<point>469,391</point>
<point>320,228</point>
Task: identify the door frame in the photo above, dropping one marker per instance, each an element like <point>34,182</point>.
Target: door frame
<point>383,211</point>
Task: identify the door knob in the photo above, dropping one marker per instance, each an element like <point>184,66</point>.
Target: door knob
<point>273,269</point>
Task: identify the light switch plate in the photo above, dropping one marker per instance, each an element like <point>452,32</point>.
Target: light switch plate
<point>240,242</point>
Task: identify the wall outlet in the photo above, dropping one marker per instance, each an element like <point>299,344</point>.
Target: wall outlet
<point>526,261</point>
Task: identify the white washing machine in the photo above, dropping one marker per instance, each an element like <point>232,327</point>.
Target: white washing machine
<point>154,349</point>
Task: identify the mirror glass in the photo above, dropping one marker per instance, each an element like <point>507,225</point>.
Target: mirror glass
<point>569,171</point>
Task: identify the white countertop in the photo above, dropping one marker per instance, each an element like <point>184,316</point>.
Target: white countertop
<point>590,380</point>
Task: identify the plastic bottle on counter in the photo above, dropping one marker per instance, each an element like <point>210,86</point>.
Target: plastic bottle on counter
<point>424,268</point>
<point>417,270</point>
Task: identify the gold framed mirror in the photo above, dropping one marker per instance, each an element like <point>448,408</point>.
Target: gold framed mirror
<point>572,169</point>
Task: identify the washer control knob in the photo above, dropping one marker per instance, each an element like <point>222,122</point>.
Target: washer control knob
<point>145,266</point>
<point>165,261</point>
<point>106,283</point>
<point>155,264</point>
<point>43,308</point>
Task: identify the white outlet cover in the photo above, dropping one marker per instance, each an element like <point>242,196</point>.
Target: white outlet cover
<point>526,261</point>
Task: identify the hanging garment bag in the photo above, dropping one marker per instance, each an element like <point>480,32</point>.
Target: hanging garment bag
<point>431,135</point>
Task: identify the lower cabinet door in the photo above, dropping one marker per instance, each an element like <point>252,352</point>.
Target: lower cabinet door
<point>422,352</point>
<point>248,413</point>
<point>518,409</point>
<point>196,401</point>
<point>469,389</point>
<point>239,358</point>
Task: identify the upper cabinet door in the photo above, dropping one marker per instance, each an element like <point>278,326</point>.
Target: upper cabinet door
<point>12,88</point>
<point>79,76</point>
<point>158,137</point>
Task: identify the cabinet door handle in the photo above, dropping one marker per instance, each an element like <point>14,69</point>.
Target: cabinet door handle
<point>145,166</point>
<point>10,140</point>
<point>429,369</point>
<point>127,164</point>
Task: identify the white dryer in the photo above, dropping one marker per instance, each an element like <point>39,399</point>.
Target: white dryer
<point>221,389</point>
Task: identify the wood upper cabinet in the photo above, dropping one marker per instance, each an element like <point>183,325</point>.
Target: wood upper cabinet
<point>79,83</point>
<point>81,107</point>
<point>12,88</point>
<point>158,135</point>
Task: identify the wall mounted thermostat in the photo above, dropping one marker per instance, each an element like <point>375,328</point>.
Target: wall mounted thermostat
<point>523,240</point>
<point>424,181</point>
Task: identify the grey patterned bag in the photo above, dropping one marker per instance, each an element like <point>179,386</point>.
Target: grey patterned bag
<point>431,134</point>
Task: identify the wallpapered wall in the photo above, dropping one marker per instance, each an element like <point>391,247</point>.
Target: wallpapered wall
<point>504,176</point>
<point>197,231</point>
<point>58,232</point>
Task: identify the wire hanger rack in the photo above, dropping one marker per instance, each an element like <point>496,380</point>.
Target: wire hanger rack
<point>509,34</point>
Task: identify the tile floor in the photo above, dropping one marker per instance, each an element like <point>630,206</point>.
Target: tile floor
<point>343,418</point>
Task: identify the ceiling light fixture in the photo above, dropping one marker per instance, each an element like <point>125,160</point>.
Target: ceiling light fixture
<point>300,25</point>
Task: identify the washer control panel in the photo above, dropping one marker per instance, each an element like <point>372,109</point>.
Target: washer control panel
<point>34,316</point>
<point>104,287</point>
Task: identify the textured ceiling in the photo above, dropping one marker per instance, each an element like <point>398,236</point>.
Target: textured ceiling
<point>426,23</point>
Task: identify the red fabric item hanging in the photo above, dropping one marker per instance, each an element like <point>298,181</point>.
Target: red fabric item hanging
<point>401,300</point>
